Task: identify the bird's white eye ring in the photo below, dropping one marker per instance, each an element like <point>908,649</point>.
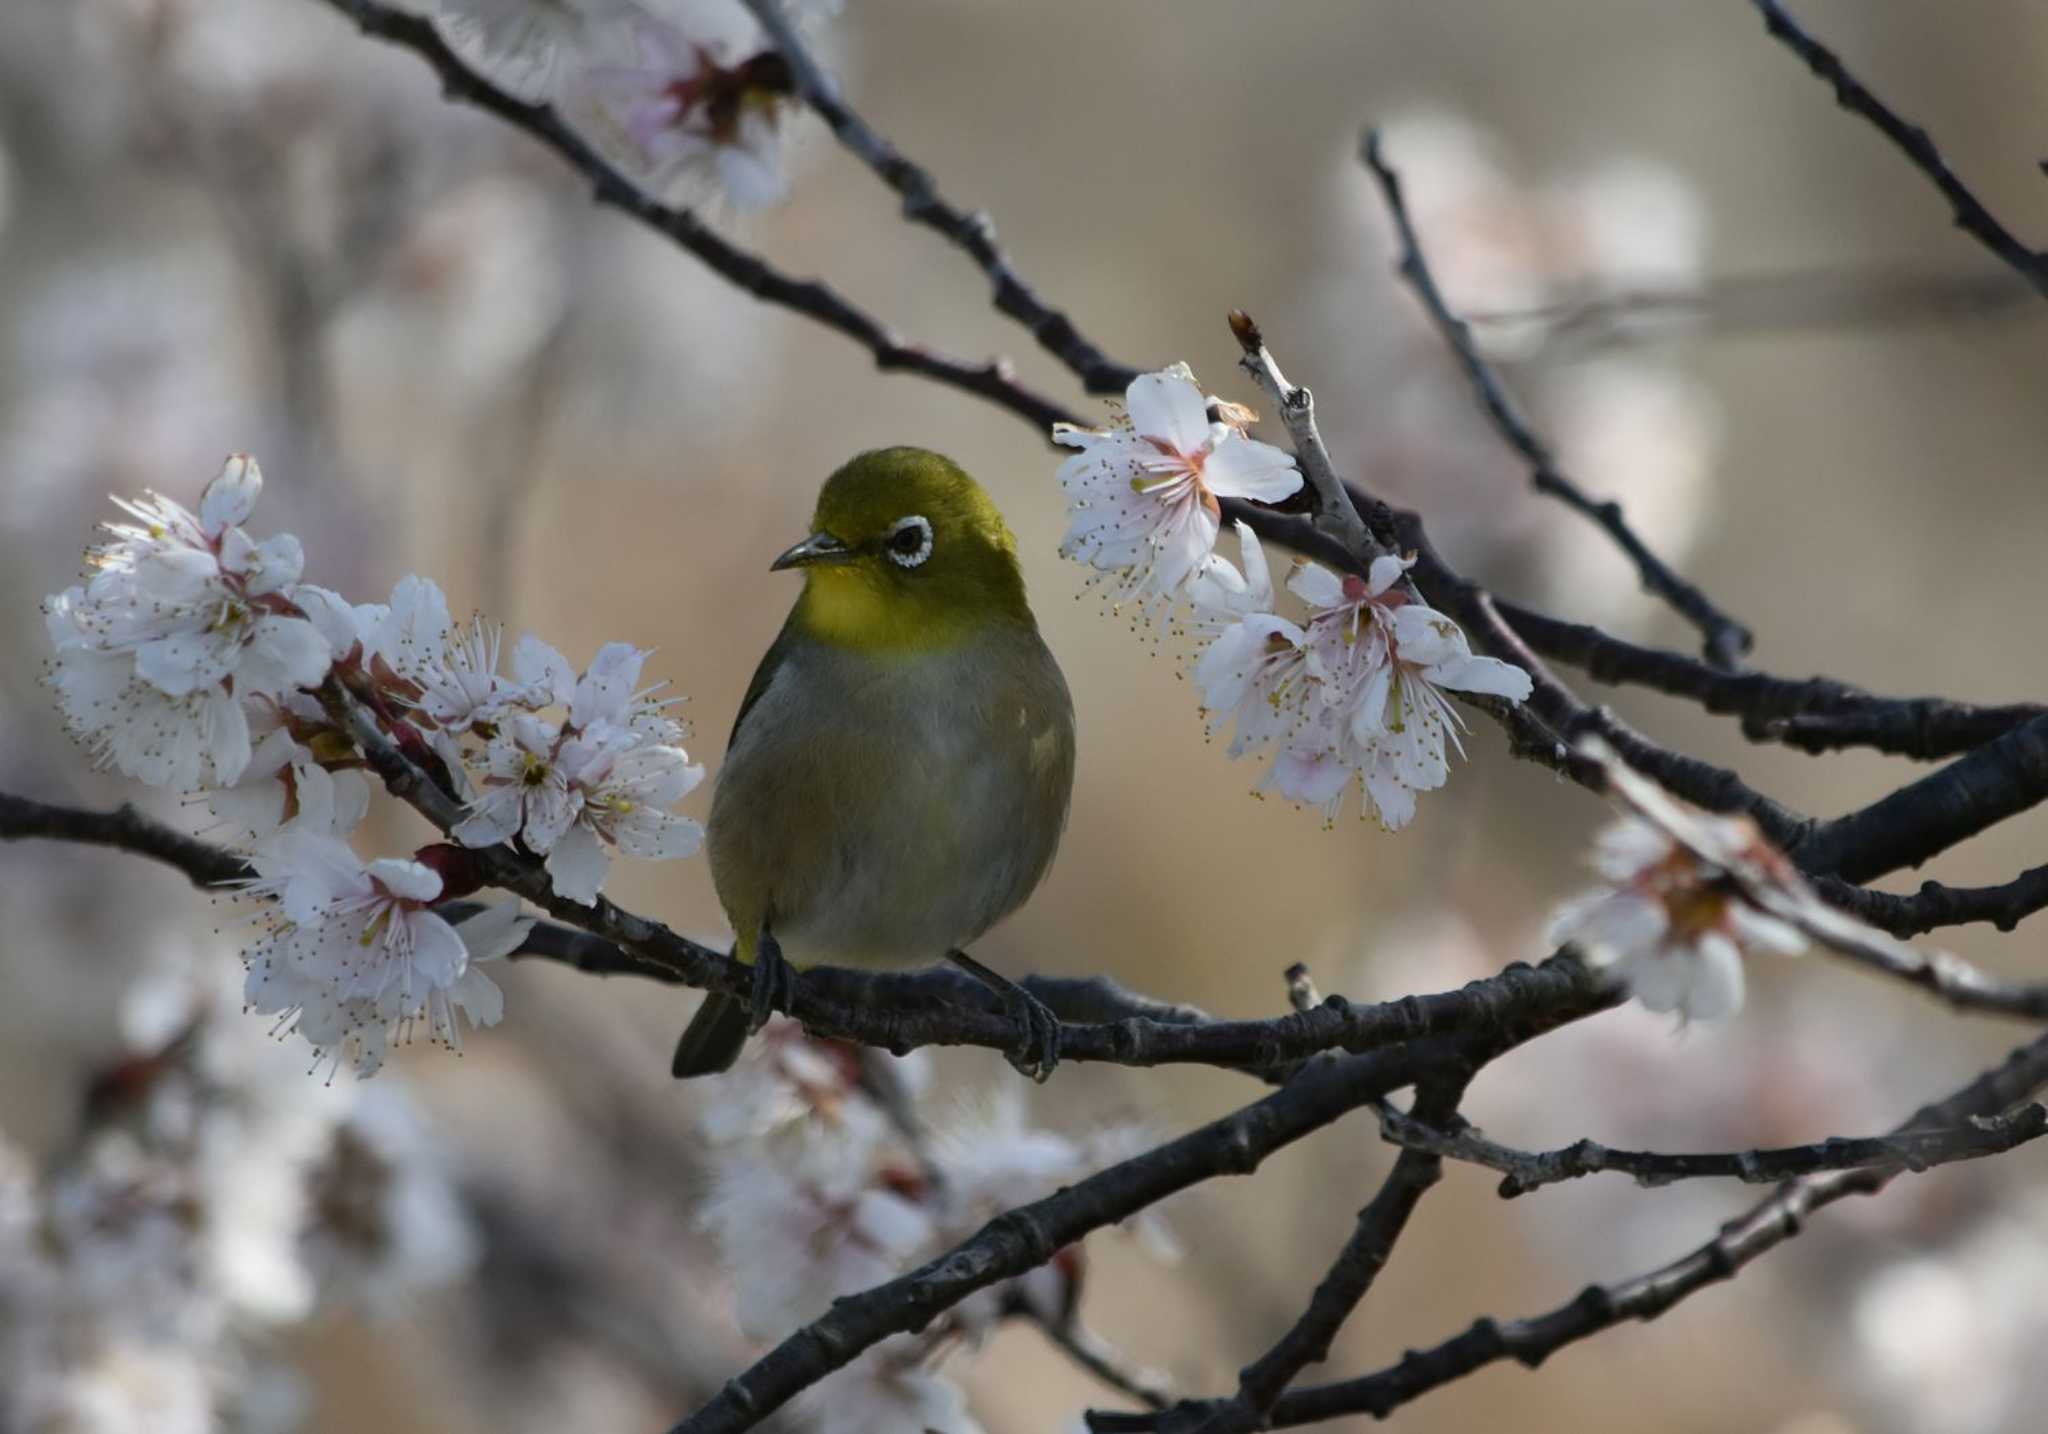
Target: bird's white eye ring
<point>910,541</point>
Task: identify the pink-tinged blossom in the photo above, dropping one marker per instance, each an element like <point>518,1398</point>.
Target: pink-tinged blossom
<point>183,620</point>
<point>525,46</point>
<point>703,104</point>
<point>1142,495</point>
<point>603,779</point>
<point>1666,923</point>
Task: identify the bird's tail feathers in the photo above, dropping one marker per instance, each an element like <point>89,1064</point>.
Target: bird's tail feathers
<point>714,1037</point>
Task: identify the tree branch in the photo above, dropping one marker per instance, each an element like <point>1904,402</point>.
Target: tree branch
<point>1532,1340</point>
<point>1936,905</point>
<point>1725,640</point>
<point>123,829</point>
<point>974,234</point>
<point>1334,513</point>
<point>1350,1277</point>
<point>1854,96</point>
<point>1914,1150</point>
<point>813,298</point>
<point>1814,714</point>
<point>1029,1235</point>
<point>2004,777</point>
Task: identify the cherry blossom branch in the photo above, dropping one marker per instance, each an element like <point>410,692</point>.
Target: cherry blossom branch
<point>993,380</point>
<point>2000,779</point>
<point>1725,639</point>
<point>123,829</point>
<point>1597,1308</point>
<point>1350,1277</point>
<point>1334,512</point>
<point>1525,1170</point>
<point>1854,96</point>
<point>1022,1238</point>
<point>972,233</point>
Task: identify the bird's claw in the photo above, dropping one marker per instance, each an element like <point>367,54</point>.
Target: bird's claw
<point>774,984</point>
<point>1038,1034</point>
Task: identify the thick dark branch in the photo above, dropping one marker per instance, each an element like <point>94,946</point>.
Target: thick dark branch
<point>1814,714</point>
<point>812,298</point>
<point>1936,905</point>
<point>1725,639</point>
<point>2002,778</point>
<point>1027,1236</point>
<point>124,829</point>
<point>973,233</point>
<point>1526,1170</point>
<point>1854,96</point>
<point>1599,1307</point>
<point>1350,1277</point>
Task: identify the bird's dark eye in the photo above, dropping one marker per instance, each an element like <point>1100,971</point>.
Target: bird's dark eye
<point>909,542</point>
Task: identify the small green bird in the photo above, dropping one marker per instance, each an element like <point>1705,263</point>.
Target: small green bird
<point>898,776</point>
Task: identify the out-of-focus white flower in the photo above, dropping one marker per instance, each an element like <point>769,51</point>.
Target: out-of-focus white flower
<point>704,104</point>
<point>797,1241</point>
<point>889,1387</point>
<point>1665,923</point>
<point>1142,495</point>
<point>525,46</point>
<point>183,620</point>
<point>384,1220</point>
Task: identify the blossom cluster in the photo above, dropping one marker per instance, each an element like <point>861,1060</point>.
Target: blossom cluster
<point>1354,691</point>
<point>195,658</point>
<point>202,1207</point>
<point>821,1188</point>
<point>687,95</point>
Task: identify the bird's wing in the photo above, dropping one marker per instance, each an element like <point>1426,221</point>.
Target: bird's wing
<point>771,663</point>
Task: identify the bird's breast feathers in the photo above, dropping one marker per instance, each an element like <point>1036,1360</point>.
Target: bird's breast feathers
<point>883,812</point>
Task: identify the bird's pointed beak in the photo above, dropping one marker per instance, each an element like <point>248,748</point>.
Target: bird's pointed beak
<point>817,548</point>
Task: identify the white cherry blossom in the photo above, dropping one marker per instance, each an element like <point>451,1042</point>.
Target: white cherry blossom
<point>1665,926</point>
<point>702,105</point>
<point>1142,495</point>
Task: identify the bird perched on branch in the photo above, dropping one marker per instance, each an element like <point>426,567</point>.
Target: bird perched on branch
<point>898,775</point>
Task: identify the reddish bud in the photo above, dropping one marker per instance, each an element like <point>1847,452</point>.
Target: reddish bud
<point>457,867</point>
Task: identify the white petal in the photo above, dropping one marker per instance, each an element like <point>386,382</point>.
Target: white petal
<point>494,932</point>
<point>1169,408</point>
<point>577,865</point>
<point>1243,467</point>
<point>1316,585</point>
<point>231,496</point>
<point>1716,984</point>
<point>331,614</point>
<point>493,819</point>
<point>608,686</point>
<point>225,736</point>
<point>551,810</point>
<point>185,662</point>
<point>276,564</point>
<point>283,653</point>
<point>1385,572</point>
<point>549,678</point>
<point>407,879</point>
<point>1483,674</point>
<point>438,955</point>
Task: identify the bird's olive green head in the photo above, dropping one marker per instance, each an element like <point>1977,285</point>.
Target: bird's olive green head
<point>906,553</point>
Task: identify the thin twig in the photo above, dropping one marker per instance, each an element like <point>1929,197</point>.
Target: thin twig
<point>1334,511</point>
<point>1095,1354</point>
<point>1854,96</point>
<point>1527,1170</point>
<point>1348,1280</point>
<point>812,298</point>
<point>1935,905</point>
<point>1725,639</point>
<point>1532,1340</point>
<point>973,233</point>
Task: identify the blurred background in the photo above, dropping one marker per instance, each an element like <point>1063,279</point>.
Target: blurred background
<point>236,224</point>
